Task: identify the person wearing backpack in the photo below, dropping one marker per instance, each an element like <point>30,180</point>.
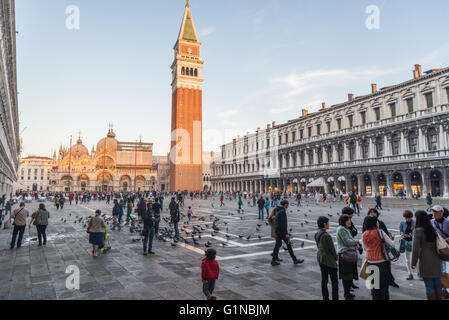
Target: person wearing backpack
<point>424,251</point>
<point>148,229</point>
<point>40,217</point>
<point>441,225</point>
<point>327,259</point>
<point>174,216</point>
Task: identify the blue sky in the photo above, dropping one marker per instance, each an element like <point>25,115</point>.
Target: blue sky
<point>264,61</point>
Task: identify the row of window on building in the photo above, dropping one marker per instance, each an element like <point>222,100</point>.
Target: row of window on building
<point>36,171</point>
<point>189,72</point>
<point>379,151</point>
<point>318,129</point>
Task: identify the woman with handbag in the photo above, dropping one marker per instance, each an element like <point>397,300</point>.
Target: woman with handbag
<point>424,250</point>
<point>95,230</point>
<point>347,255</point>
<point>406,228</point>
<point>373,239</point>
<point>40,219</point>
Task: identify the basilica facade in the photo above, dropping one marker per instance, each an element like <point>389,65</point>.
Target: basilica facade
<point>390,141</point>
<point>110,166</point>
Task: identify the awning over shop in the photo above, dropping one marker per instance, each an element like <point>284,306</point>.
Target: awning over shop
<point>330,179</point>
<point>317,183</point>
<point>341,178</point>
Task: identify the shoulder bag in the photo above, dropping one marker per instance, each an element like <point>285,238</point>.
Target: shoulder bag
<point>349,255</point>
<point>441,245</point>
<point>390,253</point>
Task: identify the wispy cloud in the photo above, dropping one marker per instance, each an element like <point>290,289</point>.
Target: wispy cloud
<point>296,84</point>
<point>207,31</point>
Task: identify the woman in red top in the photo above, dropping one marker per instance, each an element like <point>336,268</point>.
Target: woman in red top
<point>372,239</point>
<point>209,273</point>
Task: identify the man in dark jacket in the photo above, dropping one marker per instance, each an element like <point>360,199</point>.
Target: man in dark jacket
<point>281,229</point>
<point>261,204</point>
<point>174,215</point>
<point>148,229</point>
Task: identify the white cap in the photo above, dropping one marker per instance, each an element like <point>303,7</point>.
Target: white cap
<point>437,208</point>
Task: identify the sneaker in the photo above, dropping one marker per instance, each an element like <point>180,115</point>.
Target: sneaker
<point>213,298</point>
<point>298,261</point>
<point>144,253</point>
<point>410,277</point>
<point>275,263</point>
<point>39,245</point>
<point>150,252</point>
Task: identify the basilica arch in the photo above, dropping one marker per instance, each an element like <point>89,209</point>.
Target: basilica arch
<point>125,183</point>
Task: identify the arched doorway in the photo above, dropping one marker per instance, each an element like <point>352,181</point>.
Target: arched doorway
<point>140,183</point>
<point>125,183</point>
<point>331,184</point>
<point>355,183</point>
<point>416,183</point>
<point>303,184</point>
<point>67,183</point>
<point>105,181</point>
<point>83,182</point>
<point>382,184</point>
<point>342,184</point>
<point>368,185</point>
<point>435,183</point>
<point>295,185</point>
<point>398,184</point>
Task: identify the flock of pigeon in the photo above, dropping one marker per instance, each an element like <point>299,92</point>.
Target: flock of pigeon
<point>191,231</point>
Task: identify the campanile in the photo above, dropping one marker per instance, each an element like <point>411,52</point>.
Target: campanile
<point>186,123</point>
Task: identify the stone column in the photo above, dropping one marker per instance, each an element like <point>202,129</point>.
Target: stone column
<point>386,146</point>
<point>403,149</point>
<point>424,179</point>
<point>441,138</point>
<point>357,150</point>
<point>348,183</point>
<point>359,184</point>
<point>421,141</point>
<point>345,152</point>
<point>373,191</point>
<point>407,183</point>
<point>334,153</point>
<point>389,179</point>
<point>445,183</point>
<point>370,147</point>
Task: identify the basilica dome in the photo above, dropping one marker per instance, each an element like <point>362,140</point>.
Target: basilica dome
<point>110,141</point>
<point>79,149</point>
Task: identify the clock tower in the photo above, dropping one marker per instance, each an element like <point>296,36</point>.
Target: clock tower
<point>186,123</point>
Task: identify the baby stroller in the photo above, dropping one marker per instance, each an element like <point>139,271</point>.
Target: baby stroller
<point>106,246</point>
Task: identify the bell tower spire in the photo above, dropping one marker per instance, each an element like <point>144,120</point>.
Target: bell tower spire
<point>187,85</point>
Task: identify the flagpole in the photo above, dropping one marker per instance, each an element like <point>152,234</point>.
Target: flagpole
<point>70,161</point>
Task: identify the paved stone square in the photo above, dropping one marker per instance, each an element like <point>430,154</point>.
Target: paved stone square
<point>33,272</point>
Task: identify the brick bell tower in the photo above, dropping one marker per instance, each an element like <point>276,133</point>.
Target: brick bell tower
<point>186,152</point>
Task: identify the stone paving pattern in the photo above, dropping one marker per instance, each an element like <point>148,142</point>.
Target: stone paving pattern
<point>33,272</point>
